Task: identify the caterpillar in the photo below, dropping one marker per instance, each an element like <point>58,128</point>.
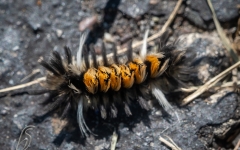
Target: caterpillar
<point>82,84</point>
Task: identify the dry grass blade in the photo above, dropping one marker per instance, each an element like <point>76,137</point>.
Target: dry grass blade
<point>194,88</point>
<point>33,73</point>
<point>209,84</point>
<point>170,143</point>
<point>237,146</point>
<point>217,78</point>
<point>23,85</point>
<point>223,37</point>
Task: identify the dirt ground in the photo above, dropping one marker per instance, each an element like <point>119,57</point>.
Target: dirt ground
<point>34,28</point>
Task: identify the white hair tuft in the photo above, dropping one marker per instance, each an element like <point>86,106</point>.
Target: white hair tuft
<point>82,40</point>
<point>143,51</point>
<point>161,99</point>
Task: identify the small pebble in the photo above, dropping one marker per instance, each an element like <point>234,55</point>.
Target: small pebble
<point>59,33</point>
<point>3,112</point>
<point>11,82</point>
<point>108,37</point>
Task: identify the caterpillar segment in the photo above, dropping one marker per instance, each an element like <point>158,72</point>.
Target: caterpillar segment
<point>104,78</point>
<point>115,77</point>
<point>90,80</point>
<point>156,65</point>
<point>102,86</point>
<point>138,67</point>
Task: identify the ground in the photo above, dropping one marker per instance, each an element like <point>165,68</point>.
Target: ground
<point>32,29</point>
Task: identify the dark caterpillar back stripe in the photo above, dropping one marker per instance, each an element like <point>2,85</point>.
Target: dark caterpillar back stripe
<point>102,86</point>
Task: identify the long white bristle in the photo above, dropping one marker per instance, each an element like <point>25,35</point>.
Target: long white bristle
<point>81,122</point>
<point>143,52</point>
<point>82,40</point>
<point>164,102</point>
<point>161,99</point>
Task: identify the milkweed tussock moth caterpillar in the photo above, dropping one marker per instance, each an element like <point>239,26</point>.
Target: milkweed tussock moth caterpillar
<point>88,85</point>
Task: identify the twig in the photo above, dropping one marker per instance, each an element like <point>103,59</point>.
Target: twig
<point>237,146</point>
<point>178,148</point>
<point>31,74</point>
<point>223,37</point>
<point>209,84</point>
<point>23,85</point>
<point>158,34</point>
<point>225,40</point>
<point>194,88</point>
<point>170,144</point>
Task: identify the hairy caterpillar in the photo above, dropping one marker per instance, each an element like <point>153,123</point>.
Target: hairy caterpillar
<point>87,84</point>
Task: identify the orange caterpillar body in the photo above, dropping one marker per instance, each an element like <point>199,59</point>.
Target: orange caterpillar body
<point>100,87</point>
<point>116,76</point>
